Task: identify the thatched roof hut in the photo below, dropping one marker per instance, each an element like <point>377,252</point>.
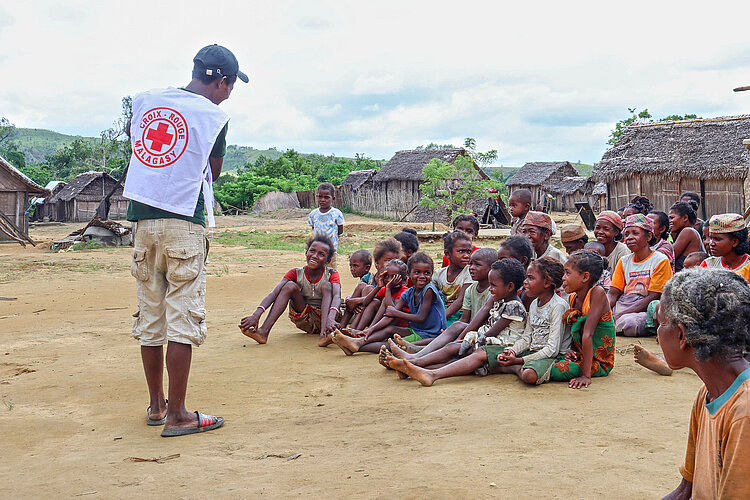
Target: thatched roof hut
<point>394,191</point>
<point>662,160</point>
<point>15,188</point>
<point>79,199</point>
<point>407,165</point>
<point>356,178</point>
<point>537,175</point>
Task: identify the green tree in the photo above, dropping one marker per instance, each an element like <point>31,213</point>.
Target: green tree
<point>9,148</point>
<point>453,186</point>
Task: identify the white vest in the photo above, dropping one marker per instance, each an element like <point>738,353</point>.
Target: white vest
<point>172,133</point>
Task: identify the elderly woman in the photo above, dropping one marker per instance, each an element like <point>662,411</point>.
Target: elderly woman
<point>638,280</point>
<point>704,325</point>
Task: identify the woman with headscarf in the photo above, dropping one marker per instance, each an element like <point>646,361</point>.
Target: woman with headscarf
<point>638,280</point>
<point>608,232</point>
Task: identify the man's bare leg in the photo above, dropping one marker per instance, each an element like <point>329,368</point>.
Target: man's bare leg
<point>153,366</point>
<point>179,357</point>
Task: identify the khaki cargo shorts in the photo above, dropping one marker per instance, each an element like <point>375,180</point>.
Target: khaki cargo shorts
<point>169,265</point>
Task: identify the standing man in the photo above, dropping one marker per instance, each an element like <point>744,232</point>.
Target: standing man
<point>179,142</point>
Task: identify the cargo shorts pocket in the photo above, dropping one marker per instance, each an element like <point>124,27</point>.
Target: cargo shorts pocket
<point>184,264</point>
<point>139,265</point>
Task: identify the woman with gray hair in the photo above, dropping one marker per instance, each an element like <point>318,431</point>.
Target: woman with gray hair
<point>704,325</point>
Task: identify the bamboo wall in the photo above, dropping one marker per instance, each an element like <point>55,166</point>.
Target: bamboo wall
<point>718,195</point>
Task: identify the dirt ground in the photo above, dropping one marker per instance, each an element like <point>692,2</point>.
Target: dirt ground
<point>300,420</point>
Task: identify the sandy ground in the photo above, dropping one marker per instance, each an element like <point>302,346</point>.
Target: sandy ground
<point>74,402</point>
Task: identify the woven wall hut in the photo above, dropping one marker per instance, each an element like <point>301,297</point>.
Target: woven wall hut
<point>15,192</point>
<point>567,191</point>
<point>394,191</point>
<point>662,160</point>
<point>534,176</point>
<point>79,199</point>
<point>43,209</point>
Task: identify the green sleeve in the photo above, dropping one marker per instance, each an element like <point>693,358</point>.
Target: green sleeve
<point>220,146</point>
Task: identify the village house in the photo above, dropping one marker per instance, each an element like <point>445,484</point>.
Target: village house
<point>42,209</point>
<point>15,190</point>
<point>79,199</point>
<point>662,160</point>
<point>394,191</point>
<point>543,177</point>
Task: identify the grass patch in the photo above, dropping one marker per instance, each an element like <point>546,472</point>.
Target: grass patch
<point>8,404</point>
<point>88,245</point>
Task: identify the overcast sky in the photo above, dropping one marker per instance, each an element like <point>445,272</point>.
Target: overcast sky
<point>538,81</point>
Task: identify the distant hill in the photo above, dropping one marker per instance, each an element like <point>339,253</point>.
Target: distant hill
<point>38,143</point>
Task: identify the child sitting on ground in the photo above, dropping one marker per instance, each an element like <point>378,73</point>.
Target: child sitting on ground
<point>729,245</point>
<point>695,259</point>
<point>476,296</point>
<point>426,317</point>
<point>469,225</point>
<point>593,351</point>
<point>454,279</point>
<point>326,219</point>
<point>545,337</point>
<point>501,319</point>
<point>313,294</point>
<point>519,204</point>
<point>537,227</point>
<point>516,247</point>
<point>409,244</point>
<point>704,325</point>
<point>364,292</point>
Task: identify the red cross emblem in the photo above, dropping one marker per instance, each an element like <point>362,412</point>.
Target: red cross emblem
<point>159,137</point>
<point>162,139</point>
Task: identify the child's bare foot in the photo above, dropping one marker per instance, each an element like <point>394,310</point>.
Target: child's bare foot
<point>651,361</point>
<point>389,361</point>
<point>348,344</point>
<point>325,340</point>
<point>419,374</point>
<point>256,335</point>
<point>397,351</point>
<point>406,346</point>
<point>351,332</point>
<point>382,354</point>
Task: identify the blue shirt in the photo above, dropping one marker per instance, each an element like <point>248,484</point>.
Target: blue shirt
<point>435,321</point>
<point>327,223</point>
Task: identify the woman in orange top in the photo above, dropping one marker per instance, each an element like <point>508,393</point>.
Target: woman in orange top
<point>593,351</point>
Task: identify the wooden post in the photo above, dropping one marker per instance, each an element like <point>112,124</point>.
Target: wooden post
<point>703,199</point>
<point>640,189</point>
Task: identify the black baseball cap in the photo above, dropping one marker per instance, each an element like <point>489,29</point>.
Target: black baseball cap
<point>215,59</point>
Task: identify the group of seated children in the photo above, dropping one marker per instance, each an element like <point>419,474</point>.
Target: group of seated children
<point>522,309</point>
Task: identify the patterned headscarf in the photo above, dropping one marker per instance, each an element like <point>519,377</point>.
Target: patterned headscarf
<point>539,219</point>
<point>726,223</point>
<point>612,217</point>
<point>639,220</point>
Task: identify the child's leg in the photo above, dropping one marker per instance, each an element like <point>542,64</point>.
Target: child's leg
<point>348,314</point>
<point>370,344</point>
<point>442,355</point>
<point>289,294</point>
<point>463,366</point>
<point>365,319</point>
<point>446,337</point>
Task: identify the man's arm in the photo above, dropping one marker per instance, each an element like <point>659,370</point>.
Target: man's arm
<point>216,164</point>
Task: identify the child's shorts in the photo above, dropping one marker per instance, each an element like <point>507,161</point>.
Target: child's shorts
<point>542,367</point>
<point>492,350</point>
<point>413,337</point>
<point>308,320</point>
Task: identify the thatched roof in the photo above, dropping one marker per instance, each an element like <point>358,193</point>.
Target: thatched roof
<point>356,178</point>
<point>78,184</point>
<point>703,149</point>
<point>407,165</point>
<point>31,186</point>
<point>569,185</point>
<point>537,173</point>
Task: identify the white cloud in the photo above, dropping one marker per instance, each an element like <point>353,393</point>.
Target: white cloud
<point>541,81</point>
